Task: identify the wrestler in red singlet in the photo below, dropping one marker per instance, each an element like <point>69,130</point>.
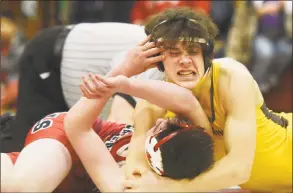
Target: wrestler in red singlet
<point>116,137</point>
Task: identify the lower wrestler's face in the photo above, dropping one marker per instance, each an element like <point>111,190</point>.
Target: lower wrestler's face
<point>184,66</point>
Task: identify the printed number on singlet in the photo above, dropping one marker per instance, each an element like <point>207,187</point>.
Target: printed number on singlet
<point>44,123</point>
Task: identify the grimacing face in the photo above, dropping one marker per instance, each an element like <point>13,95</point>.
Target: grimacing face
<point>184,66</point>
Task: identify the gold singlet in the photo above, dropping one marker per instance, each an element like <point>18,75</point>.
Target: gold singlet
<point>272,167</point>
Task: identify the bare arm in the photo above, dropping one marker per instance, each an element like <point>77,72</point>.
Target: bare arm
<point>145,116</point>
<point>163,94</point>
<point>138,60</point>
<point>91,150</point>
<point>169,96</point>
<point>27,174</point>
<point>240,139</point>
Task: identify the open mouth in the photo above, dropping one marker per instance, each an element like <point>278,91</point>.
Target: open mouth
<point>186,73</point>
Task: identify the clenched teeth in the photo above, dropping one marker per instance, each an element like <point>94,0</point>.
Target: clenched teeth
<point>186,73</point>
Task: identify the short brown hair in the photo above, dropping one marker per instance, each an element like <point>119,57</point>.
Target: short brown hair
<point>179,23</point>
<point>203,27</point>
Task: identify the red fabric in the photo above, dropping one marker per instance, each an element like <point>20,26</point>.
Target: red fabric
<point>77,180</point>
<point>53,131</point>
<point>143,9</point>
<point>13,156</point>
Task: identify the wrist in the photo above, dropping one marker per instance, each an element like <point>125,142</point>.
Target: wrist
<point>127,70</point>
<point>125,86</point>
<point>121,69</point>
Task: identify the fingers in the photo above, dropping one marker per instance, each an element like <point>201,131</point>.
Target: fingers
<point>92,88</point>
<point>147,39</point>
<point>148,46</point>
<point>86,93</point>
<point>89,86</point>
<point>153,51</point>
<point>103,80</point>
<point>95,81</point>
<point>156,59</point>
<point>100,87</point>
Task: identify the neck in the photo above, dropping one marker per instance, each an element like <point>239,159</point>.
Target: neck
<point>198,87</point>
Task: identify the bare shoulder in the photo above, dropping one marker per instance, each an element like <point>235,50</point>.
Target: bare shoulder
<point>230,67</point>
<point>234,78</point>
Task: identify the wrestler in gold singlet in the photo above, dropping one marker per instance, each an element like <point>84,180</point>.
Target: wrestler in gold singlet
<point>272,167</point>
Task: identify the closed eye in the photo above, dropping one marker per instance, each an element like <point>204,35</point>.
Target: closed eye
<point>174,53</point>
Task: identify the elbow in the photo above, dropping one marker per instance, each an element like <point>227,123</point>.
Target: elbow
<point>240,169</point>
<point>242,177</point>
<point>242,174</point>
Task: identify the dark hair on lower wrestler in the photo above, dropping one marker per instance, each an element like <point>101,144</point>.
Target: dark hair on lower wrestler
<point>188,154</point>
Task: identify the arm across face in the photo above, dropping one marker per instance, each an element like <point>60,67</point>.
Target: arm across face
<point>163,94</point>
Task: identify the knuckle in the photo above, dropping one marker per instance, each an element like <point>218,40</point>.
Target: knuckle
<point>137,53</point>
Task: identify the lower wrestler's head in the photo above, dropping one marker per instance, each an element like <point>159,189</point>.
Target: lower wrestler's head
<point>177,149</point>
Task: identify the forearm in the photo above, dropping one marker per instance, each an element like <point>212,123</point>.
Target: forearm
<point>136,152</point>
<point>224,174</point>
<point>172,97</point>
<point>83,114</point>
<point>136,158</point>
<point>198,117</point>
<point>164,94</point>
<point>144,117</point>
<point>120,69</point>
